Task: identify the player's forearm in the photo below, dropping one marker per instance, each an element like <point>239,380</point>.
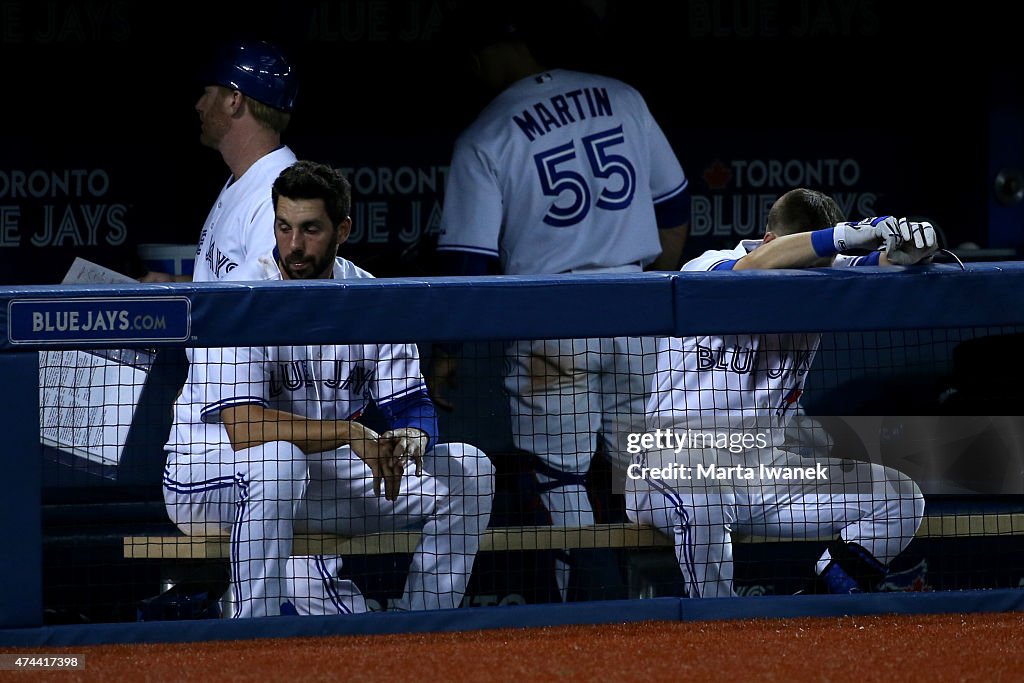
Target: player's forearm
<point>672,242</point>
<point>249,426</point>
<point>789,251</point>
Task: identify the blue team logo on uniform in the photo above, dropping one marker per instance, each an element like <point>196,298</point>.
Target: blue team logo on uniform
<point>219,262</point>
<point>290,376</point>
<point>357,382</point>
<point>294,375</point>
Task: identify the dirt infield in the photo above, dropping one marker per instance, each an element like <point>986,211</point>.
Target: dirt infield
<point>932,648</point>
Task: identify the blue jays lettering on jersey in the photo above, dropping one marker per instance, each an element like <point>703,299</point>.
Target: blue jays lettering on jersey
<point>743,382</point>
<point>220,264</point>
<point>294,375</point>
<point>744,359</point>
<point>326,382</point>
<point>289,376</point>
<point>241,221</point>
<point>357,382</point>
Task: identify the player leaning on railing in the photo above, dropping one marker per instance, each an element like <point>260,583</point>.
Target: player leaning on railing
<point>748,386</point>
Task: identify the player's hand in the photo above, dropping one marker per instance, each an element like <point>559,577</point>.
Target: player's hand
<point>408,444</point>
<point>442,376</point>
<point>377,455</point>
<point>912,243</point>
<point>865,235</point>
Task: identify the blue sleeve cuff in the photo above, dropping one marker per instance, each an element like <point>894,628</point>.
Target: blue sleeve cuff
<point>724,265</point>
<point>455,262</point>
<point>674,211</point>
<point>869,260</point>
<point>823,242</point>
<point>413,410</point>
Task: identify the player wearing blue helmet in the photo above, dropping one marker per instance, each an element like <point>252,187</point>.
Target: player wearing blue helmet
<point>248,97</point>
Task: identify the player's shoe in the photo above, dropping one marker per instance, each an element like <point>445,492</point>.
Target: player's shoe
<point>852,570</point>
<point>837,581</point>
<point>183,601</point>
<point>834,580</point>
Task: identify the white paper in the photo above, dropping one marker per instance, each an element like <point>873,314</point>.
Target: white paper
<point>87,272</point>
<point>87,403</point>
<point>87,399</point>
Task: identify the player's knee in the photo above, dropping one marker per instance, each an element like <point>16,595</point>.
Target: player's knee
<point>700,513</point>
<point>917,499</point>
<point>907,501</point>
<point>477,463</point>
<point>473,463</point>
<point>280,474</point>
<point>480,469</point>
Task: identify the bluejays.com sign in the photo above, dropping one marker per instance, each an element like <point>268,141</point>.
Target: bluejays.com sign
<point>62,321</point>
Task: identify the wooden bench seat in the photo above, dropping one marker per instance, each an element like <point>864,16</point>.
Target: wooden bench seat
<point>519,538</point>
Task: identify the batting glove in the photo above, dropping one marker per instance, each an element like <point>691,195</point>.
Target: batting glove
<point>912,242</point>
<point>868,234</point>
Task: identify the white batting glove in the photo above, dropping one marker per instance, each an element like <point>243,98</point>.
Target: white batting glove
<point>911,243</point>
<point>865,235</point>
<point>409,445</point>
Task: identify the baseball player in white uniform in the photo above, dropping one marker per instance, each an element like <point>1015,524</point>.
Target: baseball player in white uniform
<point>265,443</point>
<point>241,221</point>
<point>722,405</point>
<point>563,172</point>
<point>247,102</point>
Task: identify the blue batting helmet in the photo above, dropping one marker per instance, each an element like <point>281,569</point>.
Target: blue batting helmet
<point>256,69</point>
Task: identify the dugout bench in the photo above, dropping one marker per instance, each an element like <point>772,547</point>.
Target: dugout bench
<point>507,539</point>
<point>649,554</point>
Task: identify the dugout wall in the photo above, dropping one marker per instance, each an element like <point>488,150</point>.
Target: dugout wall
<point>984,300</point>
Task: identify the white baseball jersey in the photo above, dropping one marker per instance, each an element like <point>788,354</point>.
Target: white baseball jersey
<point>561,172</point>
<point>731,383</point>
<point>241,222</point>
<point>321,382</point>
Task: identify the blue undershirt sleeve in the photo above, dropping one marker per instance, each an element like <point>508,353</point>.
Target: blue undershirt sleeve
<point>454,262</point>
<point>869,260</point>
<point>673,211</point>
<point>413,410</point>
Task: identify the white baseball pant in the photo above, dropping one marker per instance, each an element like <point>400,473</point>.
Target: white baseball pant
<point>875,506</point>
<point>564,393</point>
<point>263,495</point>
